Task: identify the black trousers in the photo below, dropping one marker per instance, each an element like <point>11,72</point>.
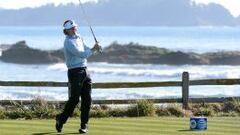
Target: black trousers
<point>80,85</point>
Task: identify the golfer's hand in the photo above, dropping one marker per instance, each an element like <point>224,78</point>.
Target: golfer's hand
<point>96,47</point>
<point>99,47</point>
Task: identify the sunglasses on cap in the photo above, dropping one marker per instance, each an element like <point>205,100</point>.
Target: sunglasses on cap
<point>69,24</point>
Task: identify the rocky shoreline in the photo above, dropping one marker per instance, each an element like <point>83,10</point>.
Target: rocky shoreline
<point>131,53</point>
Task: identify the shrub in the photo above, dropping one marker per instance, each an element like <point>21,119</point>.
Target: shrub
<point>200,105</point>
<point>162,112</point>
<point>19,113</point>
<point>117,112</point>
<point>76,112</point>
<point>40,113</point>
<point>104,107</point>
<point>232,105</point>
<point>202,111</point>
<point>39,102</point>
<point>98,112</point>
<point>40,109</point>
<point>173,110</point>
<point>229,114</point>
<point>142,108</point>
<point>217,107</point>
<point>52,113</point>
<point>2,114</point>
<point>177,111</point>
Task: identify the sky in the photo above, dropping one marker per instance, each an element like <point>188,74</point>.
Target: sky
<point>16,4</point>
<point>231,5</point>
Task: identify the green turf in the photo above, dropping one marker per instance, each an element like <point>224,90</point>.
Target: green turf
<point>122,126</point>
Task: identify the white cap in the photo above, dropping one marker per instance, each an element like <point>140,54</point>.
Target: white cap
<point>70,24</point>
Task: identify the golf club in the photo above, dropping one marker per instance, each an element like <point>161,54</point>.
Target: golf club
<point>89,24</point>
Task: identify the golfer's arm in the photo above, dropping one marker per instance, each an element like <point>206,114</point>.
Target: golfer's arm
<point>77,51</point>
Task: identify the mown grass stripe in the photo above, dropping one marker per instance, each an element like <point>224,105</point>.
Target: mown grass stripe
<point>160,121</point>
<point>136,124</point>
<point>122,126</point>
<point>223,125</point>
<point>220,120</point>
<point>132,121</point>
<point>27,124</point>
<point>107,132</point>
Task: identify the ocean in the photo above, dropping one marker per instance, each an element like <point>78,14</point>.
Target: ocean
<point>187,39</point>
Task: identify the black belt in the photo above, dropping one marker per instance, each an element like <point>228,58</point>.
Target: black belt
<point>77,69</point>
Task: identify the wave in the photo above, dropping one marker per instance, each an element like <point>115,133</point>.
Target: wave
<point>161,71</point>
<point>108,94</point>
<point>58,67</point>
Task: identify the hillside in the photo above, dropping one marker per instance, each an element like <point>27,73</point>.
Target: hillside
<point>118,13</point>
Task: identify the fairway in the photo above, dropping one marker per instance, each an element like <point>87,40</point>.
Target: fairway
<point>122,126</point>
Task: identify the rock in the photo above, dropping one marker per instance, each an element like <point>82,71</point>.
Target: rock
<point>135,54</point>
<point>22,54</point>
<point>224,58</point>
<point>116,53</point>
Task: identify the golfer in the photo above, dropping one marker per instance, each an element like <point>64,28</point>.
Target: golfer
<point>80,84</point>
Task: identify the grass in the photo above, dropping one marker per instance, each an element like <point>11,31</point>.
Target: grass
<point>123,126</point>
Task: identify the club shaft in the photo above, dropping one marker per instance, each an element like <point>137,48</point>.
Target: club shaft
<point>88,22</point>
<point>93,34</point>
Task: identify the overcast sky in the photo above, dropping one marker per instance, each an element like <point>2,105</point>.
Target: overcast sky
<point>232,5</point>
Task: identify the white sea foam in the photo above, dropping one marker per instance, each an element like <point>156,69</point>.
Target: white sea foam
<point>141,70</point>
<point>58,66</point>
<point>107,94</point>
